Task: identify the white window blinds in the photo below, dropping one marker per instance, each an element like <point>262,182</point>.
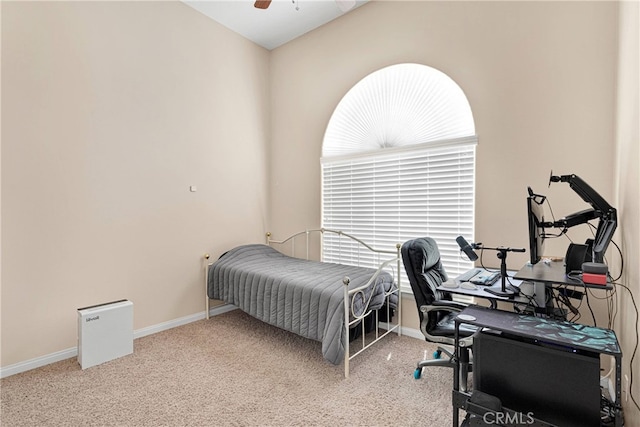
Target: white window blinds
<point>392,195</point>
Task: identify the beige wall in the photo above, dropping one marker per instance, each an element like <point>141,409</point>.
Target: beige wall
<point>110,112</point>
<point>540,78</point>
<point>628,189</point>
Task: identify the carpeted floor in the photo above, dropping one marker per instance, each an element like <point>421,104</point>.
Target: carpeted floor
<point>233,370</point>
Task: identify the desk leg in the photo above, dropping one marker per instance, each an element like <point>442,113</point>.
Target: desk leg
<point>618,412</point>
<point>540,294</point>
<point>456,374</point>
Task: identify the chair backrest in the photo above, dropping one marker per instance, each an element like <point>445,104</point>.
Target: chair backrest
<point>421,259</point>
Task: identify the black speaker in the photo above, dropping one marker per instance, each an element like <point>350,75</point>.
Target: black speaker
<point>577,255</point>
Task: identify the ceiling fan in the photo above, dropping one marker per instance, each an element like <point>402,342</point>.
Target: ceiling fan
<point>343,5</point>
<point>262,4</point>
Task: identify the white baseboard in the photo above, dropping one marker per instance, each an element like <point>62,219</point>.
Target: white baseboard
<point>404,331</point>
<point>38,362</point>
<point>58,356</point>
<point>413,333</point>
<point>149,330</point>
<point>139,333</point>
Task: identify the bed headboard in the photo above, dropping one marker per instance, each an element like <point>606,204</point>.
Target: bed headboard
<point>304,244</point>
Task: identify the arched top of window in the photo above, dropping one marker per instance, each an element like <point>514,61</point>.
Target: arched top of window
<point>396,106</point>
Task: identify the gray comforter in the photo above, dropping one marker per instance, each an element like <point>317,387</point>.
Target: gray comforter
<point>300,296</point>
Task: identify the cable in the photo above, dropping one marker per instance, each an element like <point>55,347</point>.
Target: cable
<point>482,262</point>
<point>614,303</point>
<point>563,232</point>
<point>635,349</point>
<point>575,275</point>
<point>574,310</point>
<point>593,316</point>
<point>607,411</point>
<point>621,261</point>
<point>530,306</point>
<point>611,304</point>
<point>553,217</point>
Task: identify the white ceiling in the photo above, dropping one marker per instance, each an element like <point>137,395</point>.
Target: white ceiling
<point>283,21</point>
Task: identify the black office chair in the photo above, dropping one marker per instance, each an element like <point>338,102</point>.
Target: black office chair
<point>421,258</point>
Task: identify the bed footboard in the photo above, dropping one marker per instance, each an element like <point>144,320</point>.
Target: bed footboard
<point>358,320</point>
<point>353,319</point>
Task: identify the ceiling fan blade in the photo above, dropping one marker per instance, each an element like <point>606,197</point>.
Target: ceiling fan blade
<point>262,4</point>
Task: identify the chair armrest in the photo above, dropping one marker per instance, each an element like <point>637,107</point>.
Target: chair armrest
<point>452,306</point>
<point>447,306</point>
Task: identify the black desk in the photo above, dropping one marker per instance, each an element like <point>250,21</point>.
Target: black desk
<point>552,276</point>
<point>535,330</point>
<point>530,293</point>
<point>553,273</point>
<point>453,286</point>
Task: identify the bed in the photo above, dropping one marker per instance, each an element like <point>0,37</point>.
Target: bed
<point>322,301</point>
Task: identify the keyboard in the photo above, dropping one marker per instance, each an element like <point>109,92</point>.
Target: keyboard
<point>485,278</point>
<point>468,275</point>
<point>479,276</point>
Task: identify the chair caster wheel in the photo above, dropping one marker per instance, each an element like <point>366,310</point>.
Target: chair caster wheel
<point>437,354</point>
<point>417,373</point>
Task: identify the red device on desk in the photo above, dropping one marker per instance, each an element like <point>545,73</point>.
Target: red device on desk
<point>594,273</point>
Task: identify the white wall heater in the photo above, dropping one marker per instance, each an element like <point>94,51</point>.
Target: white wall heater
<point>105,332</point>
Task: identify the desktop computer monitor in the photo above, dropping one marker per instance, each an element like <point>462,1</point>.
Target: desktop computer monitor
<point>535,213</point>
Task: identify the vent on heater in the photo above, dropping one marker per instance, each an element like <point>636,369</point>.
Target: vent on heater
<point>105,332</point>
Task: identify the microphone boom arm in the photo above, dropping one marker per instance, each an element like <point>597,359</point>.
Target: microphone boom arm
<point>502,256</point>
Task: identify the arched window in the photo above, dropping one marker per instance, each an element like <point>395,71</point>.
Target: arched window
<point>398,162</point>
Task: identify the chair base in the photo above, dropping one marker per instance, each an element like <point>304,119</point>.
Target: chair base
<point>449,361</point>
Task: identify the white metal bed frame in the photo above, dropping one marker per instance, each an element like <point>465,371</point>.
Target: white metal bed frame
<point>348,308</point>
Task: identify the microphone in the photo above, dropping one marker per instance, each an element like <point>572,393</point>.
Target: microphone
<point>466,248</point>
